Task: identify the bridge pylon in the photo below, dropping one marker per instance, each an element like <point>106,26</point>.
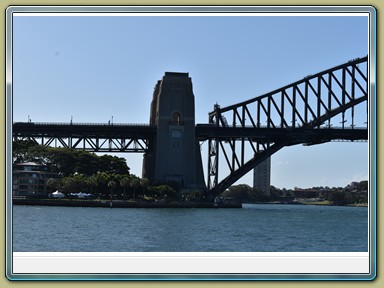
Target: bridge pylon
<point>175,157</point>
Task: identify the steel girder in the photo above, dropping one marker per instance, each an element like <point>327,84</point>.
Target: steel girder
<point>89,137</point>
<point>329,105</point>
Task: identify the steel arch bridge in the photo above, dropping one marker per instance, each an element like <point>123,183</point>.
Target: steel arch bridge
<point>313,110</point>
<point>328,106</point>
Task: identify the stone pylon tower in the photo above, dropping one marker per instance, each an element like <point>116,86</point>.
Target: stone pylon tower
<point>175,157</point>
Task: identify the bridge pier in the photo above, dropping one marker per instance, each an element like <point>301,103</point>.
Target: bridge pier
<point>175,157</point>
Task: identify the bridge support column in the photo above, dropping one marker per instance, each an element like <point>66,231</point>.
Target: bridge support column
<point>176,156</point>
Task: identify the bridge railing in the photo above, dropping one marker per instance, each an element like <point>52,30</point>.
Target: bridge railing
<point>84,124</point>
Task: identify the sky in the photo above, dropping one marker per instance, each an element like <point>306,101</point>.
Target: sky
<point>99,69</point>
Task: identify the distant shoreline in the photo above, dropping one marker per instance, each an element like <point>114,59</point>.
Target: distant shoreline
<point>320,203</point>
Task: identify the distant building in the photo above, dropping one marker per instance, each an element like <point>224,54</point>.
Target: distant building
<point>30,179</point>
<point>262,177</point>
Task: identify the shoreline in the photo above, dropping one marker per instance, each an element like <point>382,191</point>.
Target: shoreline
<point>120,204</point>
<point>142,204</point>
<point>320,203</point>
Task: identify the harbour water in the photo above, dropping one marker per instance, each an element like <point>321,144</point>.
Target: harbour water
<point>254,228</point>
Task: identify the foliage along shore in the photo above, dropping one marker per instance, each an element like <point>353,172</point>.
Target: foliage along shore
<point>108,176</point>
<point>316,203</point>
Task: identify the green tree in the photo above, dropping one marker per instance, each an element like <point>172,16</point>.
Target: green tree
<point>53,184</point>
<point>74,183</point>
<point>111,185</point>
<point>166,192</point>
<point>20,150</point>
<point>239,192</point>
<point>68,161</point>
<point>85,163</point>
<point>275,193</point>
<point>69,185</point>
<point>258,196</point>
<point>102,183</point>
<point>134,183</point>
<point>144,184</point>
<point>125,182</point>
<point>92,182</point>
<point>337,197</point>
<point>113,164</point>
<point>363,186</point>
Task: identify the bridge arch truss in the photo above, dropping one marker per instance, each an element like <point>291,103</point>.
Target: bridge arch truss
<point>326,106</point>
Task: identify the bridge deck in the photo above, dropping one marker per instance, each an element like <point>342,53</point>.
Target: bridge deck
<point>293,135</point>
<point>99,130</point>
<point>203,132</point>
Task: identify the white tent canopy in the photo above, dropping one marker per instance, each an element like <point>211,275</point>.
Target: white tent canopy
<point>57,194</point>
<point>80,195</point>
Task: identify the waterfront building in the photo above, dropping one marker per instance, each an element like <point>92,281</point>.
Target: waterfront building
<point>262,177</point>
<point>30,179</point>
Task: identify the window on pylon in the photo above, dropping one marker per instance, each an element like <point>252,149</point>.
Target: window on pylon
<point>176,118</point>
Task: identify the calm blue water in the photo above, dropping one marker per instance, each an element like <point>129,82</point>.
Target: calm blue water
<point>254,228</point>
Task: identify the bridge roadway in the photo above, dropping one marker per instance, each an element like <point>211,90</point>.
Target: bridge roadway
<point>144,132</point>
<point>96,130</point>
<point>292,135</point>
<point>96,137</point>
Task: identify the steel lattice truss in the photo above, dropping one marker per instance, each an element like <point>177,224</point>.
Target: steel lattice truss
<point>88,137</point>
<point>330,105</point>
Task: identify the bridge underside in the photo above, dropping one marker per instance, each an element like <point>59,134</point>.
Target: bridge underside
<point>302,135</point>
<point>263,143</point>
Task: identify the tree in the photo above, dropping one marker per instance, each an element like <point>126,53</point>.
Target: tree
<point>239,192</point>
<point>69,185</point>
<point>113,164</point>
<point>125,182</point>
<point>275,193</point>
<point>68,161</point>
<point>166,192</point>
<point>258,196</point>
<point>74,183</point>
<point>85,163</point>
<point>144,183</point>
<point>20,150</point>
<point>111,185</point>
<point>92,182</point>
<point>362,186</point>
<point>134,183</point>
<point>337,197</point>
<point>53,183</point>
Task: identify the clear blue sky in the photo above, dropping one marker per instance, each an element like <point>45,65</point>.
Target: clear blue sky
<point>93,68</point>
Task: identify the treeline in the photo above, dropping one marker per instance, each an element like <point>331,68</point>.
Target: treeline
<point>356,192</point>
<point>80,171</point>
<point>67,161</point>
<point>106,185</point>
